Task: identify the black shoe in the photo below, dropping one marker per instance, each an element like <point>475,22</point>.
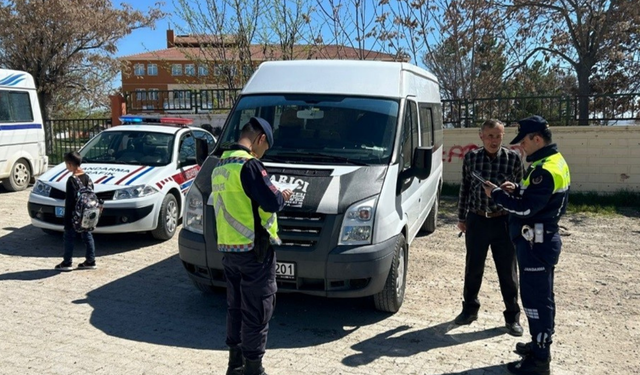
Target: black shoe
<point>523,348</point>
<point>235,361</point>
<point>530,366</point>
<point>465,318</point>
<point>514,329</point>
<point>253,367</point>
<point>87,265</point>
<point>64,267</point>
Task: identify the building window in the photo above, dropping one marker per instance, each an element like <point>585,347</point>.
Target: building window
<point>138,69</point>
<point>152,69</point>
<point>247,70</point>
<point>141,94</point>
<point>217,70</point>
<point>153,94</point>
<point>176,69</point>
<point>203,70</point>
<point>190,70</point>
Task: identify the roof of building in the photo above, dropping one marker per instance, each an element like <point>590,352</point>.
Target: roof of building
<point>258,53</point>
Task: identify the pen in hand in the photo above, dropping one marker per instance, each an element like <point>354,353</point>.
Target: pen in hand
<point>460,234</point>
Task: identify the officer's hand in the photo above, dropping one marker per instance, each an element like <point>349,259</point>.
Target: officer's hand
<point>488,186</point>
<point>462,225</point>
<point>286,194</point>
<point>508,186</point>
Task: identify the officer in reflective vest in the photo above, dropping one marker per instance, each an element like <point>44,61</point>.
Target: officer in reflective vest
<point>535,206</point>
<point>245,204</point>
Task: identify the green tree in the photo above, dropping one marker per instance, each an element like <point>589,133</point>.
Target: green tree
<point>67,45</point>
<point>594,37</point>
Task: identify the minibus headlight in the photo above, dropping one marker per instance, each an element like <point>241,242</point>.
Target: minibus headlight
<point>194,210</point>
<point>40,188</point>
<point>357,225</point>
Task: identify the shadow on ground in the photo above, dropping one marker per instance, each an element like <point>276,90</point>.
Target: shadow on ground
<point>393,344</point>
<point>490,370</point>
<point>29,241</point>
<point>159,305</point>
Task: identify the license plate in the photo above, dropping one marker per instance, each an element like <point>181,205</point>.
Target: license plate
<point>285,270</point>
<point>59,211</point>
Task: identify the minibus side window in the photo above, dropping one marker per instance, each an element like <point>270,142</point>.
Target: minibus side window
<point>15,107</point>
<point>409,134</point>
<point>426,125</point>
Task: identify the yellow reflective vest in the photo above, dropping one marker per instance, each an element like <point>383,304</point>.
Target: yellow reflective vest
<point>559,170</point>
<point>232,206</point>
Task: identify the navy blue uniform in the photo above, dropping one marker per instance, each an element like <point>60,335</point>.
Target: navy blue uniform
<point>251,284</point>
<point>540,201</point>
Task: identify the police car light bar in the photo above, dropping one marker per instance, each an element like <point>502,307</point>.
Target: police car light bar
<point>175,121</point>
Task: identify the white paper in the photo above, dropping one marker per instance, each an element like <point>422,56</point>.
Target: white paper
<point>284,186</point>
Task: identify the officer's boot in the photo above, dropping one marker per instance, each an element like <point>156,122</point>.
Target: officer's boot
<point>253,367</point>
<point>235,361</point>
<point>530,365</point>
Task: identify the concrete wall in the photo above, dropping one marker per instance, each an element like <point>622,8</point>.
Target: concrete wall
<point>602,159</point>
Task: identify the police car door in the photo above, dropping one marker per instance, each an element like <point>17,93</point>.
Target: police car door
<point>410,187</point>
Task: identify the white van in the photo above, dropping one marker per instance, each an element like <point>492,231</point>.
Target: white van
<point>22,144</point>
<point>360,143</point>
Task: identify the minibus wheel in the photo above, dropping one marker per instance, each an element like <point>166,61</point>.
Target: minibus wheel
<point>391,297</point>
<point>19,177</point>
<point>167,219</point>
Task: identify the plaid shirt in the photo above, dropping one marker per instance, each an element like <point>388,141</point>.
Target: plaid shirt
<point>506,166</point>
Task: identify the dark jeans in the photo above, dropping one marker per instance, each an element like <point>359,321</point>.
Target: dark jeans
<point>69,239</point>
<point>481,233</point>
<point>537,268</point>
<point>251,299</point>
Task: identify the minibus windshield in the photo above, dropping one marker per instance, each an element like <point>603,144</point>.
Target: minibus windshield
<point>320,129</point>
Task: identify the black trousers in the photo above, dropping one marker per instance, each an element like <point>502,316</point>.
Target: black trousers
<point>481,233</point>
<point>537,263</point>
<point>251,299</point>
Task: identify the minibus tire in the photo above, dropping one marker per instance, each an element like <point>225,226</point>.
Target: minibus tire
<point>162,232</point>
<point>391,297</point>
<point>10,182</point>
<point>430,223</point>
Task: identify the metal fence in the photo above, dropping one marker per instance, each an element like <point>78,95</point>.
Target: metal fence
<point>181,101</point>
<point>558,110</point>
<point>69,135</point>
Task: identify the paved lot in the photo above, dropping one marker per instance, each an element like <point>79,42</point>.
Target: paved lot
<point>139,314</point>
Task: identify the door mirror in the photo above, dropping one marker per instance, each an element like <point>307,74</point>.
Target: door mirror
<point>202,150</point>
<point>421,165</point>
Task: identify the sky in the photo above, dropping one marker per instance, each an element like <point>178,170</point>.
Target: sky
<point>144,40</point>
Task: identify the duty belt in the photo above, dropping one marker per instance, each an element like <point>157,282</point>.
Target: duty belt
<point>490,215</point>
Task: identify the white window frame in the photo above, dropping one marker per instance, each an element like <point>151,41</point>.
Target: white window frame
<point>138,69</point>
<point>203,70</point>
<point>152,69</point>
<point>176,70</point>
<point>189,70</point>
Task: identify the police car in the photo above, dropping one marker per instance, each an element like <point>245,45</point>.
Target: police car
<point>141,170</point>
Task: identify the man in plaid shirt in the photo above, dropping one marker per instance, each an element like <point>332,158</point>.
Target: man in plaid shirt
<point>485,224</point>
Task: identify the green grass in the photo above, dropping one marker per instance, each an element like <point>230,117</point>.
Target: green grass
<point>619,202</point>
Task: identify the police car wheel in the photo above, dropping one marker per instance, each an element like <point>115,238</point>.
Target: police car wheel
<point>167,219</point>
<point>19,178</point>
<point>391,297</point>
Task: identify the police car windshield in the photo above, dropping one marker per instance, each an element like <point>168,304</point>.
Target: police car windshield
<point>343,129</point>
<point>129,147</point>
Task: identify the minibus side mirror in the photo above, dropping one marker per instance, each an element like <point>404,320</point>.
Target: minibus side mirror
<point>420,168</point>
<point>202,150</point>
<point>421,165</point>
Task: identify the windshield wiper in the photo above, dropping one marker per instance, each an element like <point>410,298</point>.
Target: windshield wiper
<point>318,155</point>
<point>274,159</point>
